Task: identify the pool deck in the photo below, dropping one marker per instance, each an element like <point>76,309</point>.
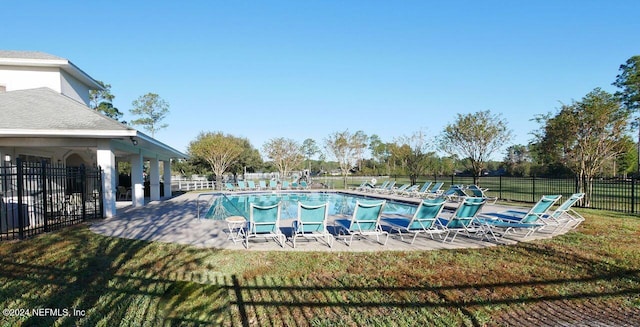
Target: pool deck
<point>175,221</point>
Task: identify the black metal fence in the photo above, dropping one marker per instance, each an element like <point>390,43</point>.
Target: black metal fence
<point>622,195</point>
<point>41,197</point>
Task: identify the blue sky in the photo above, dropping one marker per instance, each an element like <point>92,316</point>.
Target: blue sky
<point>306,69</point>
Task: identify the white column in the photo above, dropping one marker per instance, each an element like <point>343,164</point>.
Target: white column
<point>166,165</point>
<point>137,180</point>
<point>107,161</point>
<point>154,179</point>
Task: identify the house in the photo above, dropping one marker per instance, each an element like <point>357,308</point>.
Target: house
<point>45,115</point>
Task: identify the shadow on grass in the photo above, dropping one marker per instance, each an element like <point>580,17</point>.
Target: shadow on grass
<point>129,282</point>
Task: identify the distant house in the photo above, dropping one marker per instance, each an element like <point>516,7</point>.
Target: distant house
<point>45,115</point>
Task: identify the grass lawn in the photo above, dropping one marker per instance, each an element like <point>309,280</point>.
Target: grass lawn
<point>126,282</point>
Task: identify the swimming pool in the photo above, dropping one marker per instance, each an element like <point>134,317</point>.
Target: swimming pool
<point>227,205</point>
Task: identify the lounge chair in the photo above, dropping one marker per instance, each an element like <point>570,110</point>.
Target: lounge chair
<point>284,185</point>
<point>410,190</point>
<point>422,221</point>
<point>435,190</point>
<point>482,193</point>
<point>364,221</point>
<point>273,184</point>
<point>454,194</point>
<point>304,185</point>
<point>242,186</point>
<point>422,190</point>
<point>251,186</point>
<point>376,188</point>
<point>513,220</point>
<point>387,188</point>
<point>400,189</point>
<point>463,218</point>
<point>564,216</point>
<point>229,187</point>
<point>263,185</point>
<point>312,222</point>
<point>264,221</point>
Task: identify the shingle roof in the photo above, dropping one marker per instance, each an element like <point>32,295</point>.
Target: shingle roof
<point>45,109</point>
<point>15,54</point>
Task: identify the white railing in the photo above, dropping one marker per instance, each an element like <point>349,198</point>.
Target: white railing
<point>187,185</point>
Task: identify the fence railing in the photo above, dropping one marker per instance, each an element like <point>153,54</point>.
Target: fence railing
<point>40,197</point>
<point>622,195</point>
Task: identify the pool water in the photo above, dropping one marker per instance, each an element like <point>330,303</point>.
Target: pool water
<point>224,206</point>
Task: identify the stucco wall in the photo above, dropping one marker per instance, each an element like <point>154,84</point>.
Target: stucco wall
<point>72,88</point>
<point>24,78</point>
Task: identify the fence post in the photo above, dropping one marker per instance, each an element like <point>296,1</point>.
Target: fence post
<point>533,190</point>
<point>500,187</point>
<point>100,190</point>
<point>83,193</point>
<point>20,185</point>
<point>45,194</point>
<point>633,195</point>
<point>452,182</point>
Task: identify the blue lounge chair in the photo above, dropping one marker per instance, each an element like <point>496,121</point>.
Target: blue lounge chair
<point>463,218</point>
<point>229,187</point>
<point>312,222</point>
<point>376,188</point>
<point>364,221</point>
<point>422,221</point>
<point>564,217</point>
<point>284,185</point>
<point>435,190</point>
<point>264,221</point>
<point>273,184</point>
<point>482,193</point>
<point>263,185</point>
<point>251,185</point>
<point>454,193</point>
<point>422,190</point>
<point>242,186</point>
<point>304,185</point>
<point>387,188</point>
<point>410,190</point>
<point>400,189</point>
<point>503,222</point>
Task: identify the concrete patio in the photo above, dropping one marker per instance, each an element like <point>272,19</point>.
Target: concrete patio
<point>175,221</point>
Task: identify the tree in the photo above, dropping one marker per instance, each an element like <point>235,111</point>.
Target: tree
<point>629,81</point>
<point>309,148</point>
<point>585,135</point>
<point>341,146</point>
<point>360,140</point>
<point>380,151</point>
<point>98,96</point>
<point>153,110</point>
<point>412,153</point>
<point>248,160</point>
<point>102,102</point>
<point>218,150</point>
<point>518,160</point>
<point>286,154</point>
<point>107,109</point>
<point>476,137</point>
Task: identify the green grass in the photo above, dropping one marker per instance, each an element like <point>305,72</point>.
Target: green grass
<point>129,282</point>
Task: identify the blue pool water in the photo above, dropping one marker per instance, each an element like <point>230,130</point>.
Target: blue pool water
<point>224,206</point>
